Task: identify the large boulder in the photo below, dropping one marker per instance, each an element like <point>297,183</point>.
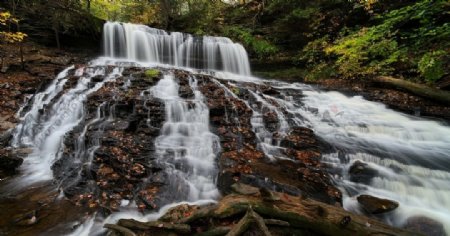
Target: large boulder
<point>374,205</point>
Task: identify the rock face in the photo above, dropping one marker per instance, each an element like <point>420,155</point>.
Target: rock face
<point>374,205</point>
<point>425,225</point>
<point>8,163</point>
<point>118,136</point>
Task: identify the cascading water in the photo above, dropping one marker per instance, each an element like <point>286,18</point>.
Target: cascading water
<point>185,142</point>
<point>43,127</point>
<point>410,155</point>
<point>145,44</point>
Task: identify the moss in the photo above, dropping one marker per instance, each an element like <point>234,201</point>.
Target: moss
<point>236,91</point>
<point>152,73</point>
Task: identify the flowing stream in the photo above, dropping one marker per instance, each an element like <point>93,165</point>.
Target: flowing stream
<point>410,155</point>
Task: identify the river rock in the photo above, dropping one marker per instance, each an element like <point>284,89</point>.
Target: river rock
<point>374,205</point>
<point>425,225</point>
<point>9,163</point>
<point>361,172</point>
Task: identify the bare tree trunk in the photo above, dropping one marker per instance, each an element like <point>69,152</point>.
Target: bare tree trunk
<point>58,44</point>
<point>88,5</point>
<point>22,63</point>
<point>166,13</point>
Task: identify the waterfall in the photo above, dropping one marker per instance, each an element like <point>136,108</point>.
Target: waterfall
<point>144,44</point>
<point>411,155</point>
<point>186,141</point>
<point>44,126</point>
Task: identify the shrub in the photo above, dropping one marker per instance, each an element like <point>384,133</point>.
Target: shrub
<point>431,65</point>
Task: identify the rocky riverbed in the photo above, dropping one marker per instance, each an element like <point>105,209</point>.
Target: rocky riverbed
<point>109,159</point>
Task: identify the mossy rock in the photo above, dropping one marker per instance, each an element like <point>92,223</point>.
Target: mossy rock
<point>152,73</point>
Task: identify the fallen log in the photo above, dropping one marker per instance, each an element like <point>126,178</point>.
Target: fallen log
<point>119,229</point>
<point>434,94</point>
<point>307,214</point>
<point>134,224</point>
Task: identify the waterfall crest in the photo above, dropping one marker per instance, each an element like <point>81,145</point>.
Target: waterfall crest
<point>145,44</point>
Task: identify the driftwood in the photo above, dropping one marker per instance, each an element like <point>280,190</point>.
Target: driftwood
<point>134,224</point>
<point>249,218</point>
<point>417,89</point>
<point>119,229</point>
<point>288,214</point>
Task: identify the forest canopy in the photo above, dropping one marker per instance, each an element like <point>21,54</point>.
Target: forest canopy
<point>352,39</point>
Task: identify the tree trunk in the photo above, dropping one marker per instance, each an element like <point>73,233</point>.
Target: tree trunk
<point>418,89</point>
<point>58,44</point>
<point>88,5</point>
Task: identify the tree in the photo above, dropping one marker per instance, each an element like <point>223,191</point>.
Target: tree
<point>8,36</point>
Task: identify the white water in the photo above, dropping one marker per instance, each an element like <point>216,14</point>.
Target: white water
<point>145,44</point>
<point>411,154</point>
<point>186,140</point>
<point>43,127</point>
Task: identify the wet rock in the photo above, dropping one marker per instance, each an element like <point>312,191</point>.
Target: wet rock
<point>63,61</point>
<point>361,172</point>
<point>185,92</point>
<point>267,89</point>
<point>244,189</point>
<point>425,225</point>
<point>5,137</point>
<point>29,218</point>
<point>300,138</point>
<point>6,125</point>
<point>9,163</point>
<point>374,205</point>
<point>98,78</point>
<point>270,119</point>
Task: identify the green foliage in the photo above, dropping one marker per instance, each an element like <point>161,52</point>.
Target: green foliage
<point>400,37</point>
<point>313,53</point>
<point>321,71</point>
<point>261,47</point>
<point>367,52</point>
<point>431,65</point>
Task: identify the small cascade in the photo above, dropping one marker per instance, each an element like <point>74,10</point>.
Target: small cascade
<point>186,145</point>
<point>408,157</point>
<point>145,44</point>
<point>43,127</point>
